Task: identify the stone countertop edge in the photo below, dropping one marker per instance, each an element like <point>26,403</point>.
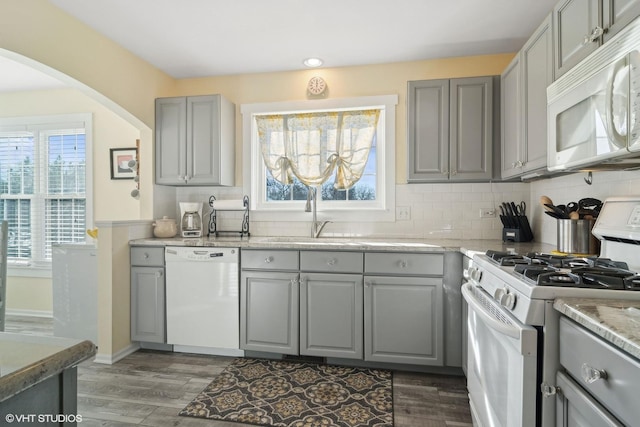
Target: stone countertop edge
<point>616,321</point>
<point>467,247</point>
<point>20,380</point>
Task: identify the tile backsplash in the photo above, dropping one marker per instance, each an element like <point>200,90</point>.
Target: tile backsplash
<point>571,188</point>
<point>443,211</point>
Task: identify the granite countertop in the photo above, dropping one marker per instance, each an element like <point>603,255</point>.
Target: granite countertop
<point>356,243</point>
<point>26,360</point>
<point>617,321</point>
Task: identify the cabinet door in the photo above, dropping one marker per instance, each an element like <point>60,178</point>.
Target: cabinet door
<point>171,143</point>
<point>575,407</point>
<point>203,140</point>
<point>269,312</point>
<point>428,131</point>
<point>331,310</point>
<point>573,21</point>
<point>471,129</point>
<point>403,320</point>
<point>510,122</point>
<point>537,74</point>
<point>617,14</point>
<point>147,304</point>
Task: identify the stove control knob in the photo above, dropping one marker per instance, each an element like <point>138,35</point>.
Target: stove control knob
<point>475,274</point>
<point>509,301</point>
<point>499,294</point>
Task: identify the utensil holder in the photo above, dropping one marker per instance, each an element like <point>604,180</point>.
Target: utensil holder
<point>575,237</point>
<point>519,229</point>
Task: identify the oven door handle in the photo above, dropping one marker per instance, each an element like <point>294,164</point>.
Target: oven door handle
<point>491,321</point>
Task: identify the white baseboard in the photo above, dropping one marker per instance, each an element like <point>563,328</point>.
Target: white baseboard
<point>30,313</point>
<point>110,359</point>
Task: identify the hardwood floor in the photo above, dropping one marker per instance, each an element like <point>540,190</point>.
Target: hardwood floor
<point>149,388</point>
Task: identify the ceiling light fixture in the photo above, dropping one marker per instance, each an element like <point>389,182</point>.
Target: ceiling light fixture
<point>312,62</point>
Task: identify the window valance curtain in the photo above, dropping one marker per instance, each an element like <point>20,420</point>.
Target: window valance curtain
<point>311,146</point>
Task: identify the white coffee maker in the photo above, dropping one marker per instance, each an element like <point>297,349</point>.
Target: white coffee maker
<point>191,219</point>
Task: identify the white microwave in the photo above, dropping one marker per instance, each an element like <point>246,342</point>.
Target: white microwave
<point>594,109</point>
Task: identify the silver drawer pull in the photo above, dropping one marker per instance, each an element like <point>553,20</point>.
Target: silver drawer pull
<point>332,261</point>
<point>403,264</point>
<point>590,374</point>
<point>146,255</point>
<point>268,259</point>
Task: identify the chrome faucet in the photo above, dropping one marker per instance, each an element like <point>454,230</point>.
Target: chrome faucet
<point>316,226</point>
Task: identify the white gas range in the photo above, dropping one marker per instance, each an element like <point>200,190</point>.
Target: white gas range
<point>513,328</point>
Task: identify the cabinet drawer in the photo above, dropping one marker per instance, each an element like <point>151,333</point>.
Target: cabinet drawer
<point>269,259</point>
<point>147,256</point>
<point>392,263</point>
<point>330,261</point>
<point>581,350</point>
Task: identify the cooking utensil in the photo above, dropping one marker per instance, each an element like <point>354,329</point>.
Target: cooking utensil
<point>558,211</point>
<point>544,200</point>
<point>572,207</point>
<point>522,208</point>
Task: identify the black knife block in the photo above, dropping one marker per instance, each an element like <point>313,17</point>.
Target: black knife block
<point>520,231</point>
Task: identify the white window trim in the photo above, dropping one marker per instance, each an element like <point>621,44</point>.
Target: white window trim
<point>384,208</point>
<point>43,269</point>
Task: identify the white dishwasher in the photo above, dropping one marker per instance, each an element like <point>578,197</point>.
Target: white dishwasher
<point>203,300</point>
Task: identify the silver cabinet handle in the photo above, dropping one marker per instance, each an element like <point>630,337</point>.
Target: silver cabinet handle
<point>268,259</point>
<point>549,390</point>
<point>590,374</point>
<point>146,255</point>
<point>454,172</point>
<point>403,264</point>
<point>332,261</point>
<point>159,274</point>
<point>597,32</point>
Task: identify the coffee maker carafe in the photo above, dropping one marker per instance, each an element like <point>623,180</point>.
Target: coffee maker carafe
<point>191,219</point>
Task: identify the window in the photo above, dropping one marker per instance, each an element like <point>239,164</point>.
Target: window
<point>374,191</point>
<point>43,184</point>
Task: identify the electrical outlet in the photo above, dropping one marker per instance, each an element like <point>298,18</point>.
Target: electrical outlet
<point>487,213</point>
<point>403,213</point>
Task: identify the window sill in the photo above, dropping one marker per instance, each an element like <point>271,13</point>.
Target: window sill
<point>28,271</point>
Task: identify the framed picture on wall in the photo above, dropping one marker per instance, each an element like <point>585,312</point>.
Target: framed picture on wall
<point>120,166</point>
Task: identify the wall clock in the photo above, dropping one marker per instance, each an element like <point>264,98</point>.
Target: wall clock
<point>317,86</point>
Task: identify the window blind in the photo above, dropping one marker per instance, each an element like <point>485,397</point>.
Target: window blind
<point>42,188</point>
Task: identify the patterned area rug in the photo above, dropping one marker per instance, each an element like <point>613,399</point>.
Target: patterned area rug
<point>293,394</point>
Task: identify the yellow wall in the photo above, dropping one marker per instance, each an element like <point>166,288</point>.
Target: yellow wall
<point>383,79</point>
<point>29,295</point>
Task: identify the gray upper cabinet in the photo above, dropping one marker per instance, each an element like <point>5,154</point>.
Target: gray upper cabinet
<point>195,141</point>
<point>450,130</point>
<point>524,105</point>
<point>510,106</point>
<point>581,26</point>
<point>616,14</point>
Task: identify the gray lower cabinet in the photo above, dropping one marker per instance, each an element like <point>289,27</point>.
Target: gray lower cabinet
<point>450,130</point>
<point>331,310</point>
<point>269,318</point>
<point>403,320</point>
<point>148,319</point>
<point>598,383</point>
